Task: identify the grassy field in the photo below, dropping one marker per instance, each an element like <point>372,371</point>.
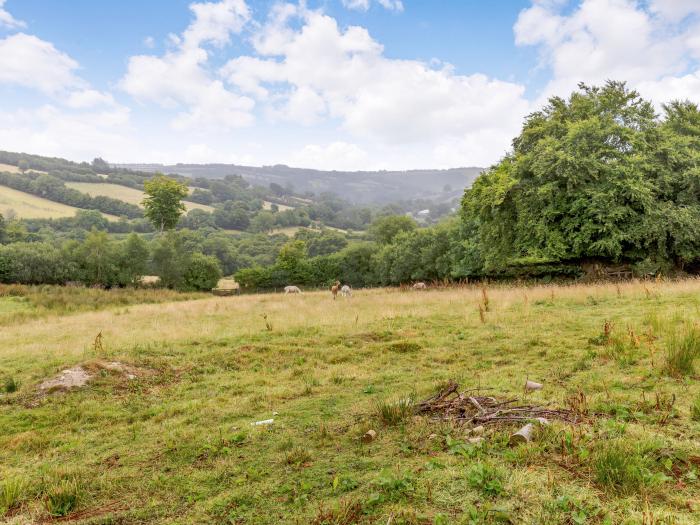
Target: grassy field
<point>123,193</point>
<point>267,205</point>
<point>27,206</point>
<point>175,444</point>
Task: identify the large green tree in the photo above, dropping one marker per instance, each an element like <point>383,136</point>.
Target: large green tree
<point>163,202</point>
<point>581,182</point>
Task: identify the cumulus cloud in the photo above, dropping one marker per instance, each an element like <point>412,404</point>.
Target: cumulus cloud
<point>320,71</point>
<point>28,61</point>
<point>7,20</point>
<point>180,78</point>
<point>51,130</point>
<point>364,5</point>
<point>650,45</point>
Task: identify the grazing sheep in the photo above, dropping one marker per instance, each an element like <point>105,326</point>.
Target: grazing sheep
<point>335,289</point>
<point>346,291</point>
<point>419,286</point>
<point>292,289</point>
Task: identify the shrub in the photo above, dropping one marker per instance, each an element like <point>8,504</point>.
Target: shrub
<point>202,273</point>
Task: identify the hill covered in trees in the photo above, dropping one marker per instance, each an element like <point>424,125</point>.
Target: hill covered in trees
<point>368,187</point>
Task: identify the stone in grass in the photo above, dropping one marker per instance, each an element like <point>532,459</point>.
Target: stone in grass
<point>68,379</point>
<point>369,436</point>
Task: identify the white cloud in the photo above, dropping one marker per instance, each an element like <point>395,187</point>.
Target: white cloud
<point>149,42</point>
<point>28,61</point>
<point>180,79</point>
<point>644,44</point>
<point>215,21</point>
<point>7,20</point>
<point>89,98</point>
<point>320,71</point>
<point>364,5</point>
<point>674,10</point>
<point>50,130</point>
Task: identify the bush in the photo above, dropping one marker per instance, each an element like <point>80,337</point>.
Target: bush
<point>202,273</point>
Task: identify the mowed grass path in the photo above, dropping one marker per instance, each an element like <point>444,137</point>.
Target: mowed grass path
<point>176,445</point>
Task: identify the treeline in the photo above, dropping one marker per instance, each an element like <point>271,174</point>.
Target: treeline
<point>53,188</point>
<point>101,261</point>
<point>599,179</point>
<point>396,252</point>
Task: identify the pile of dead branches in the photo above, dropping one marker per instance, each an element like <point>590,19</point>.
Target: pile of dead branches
<point>469,408</point>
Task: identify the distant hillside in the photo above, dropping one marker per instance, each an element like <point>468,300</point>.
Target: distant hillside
<point>378,187</point>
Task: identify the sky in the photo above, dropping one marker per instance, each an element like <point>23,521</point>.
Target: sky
<point>327,84</point>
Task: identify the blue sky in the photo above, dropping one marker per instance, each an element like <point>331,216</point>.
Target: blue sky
<point>333,84</point>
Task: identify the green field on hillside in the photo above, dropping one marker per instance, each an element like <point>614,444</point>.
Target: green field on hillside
<point>28,206</point>
<point>163,432</point>
<point>123,193</point>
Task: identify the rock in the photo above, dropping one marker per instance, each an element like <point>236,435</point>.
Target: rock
<point>75,377</point>
<point>476,440</point>
<point>477,431</point>
<point>264,422</point>
<point>369,436</point>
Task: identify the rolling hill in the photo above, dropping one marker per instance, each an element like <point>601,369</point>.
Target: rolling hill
<point>378,187</point>
<point>123,193</point>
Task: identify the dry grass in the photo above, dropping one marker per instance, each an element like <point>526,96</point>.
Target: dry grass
<point>267,205</point>
<point>28,206</point>
<point>123,193</point>
<point>178,445</point>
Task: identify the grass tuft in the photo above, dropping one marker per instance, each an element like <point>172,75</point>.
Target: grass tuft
<point>392,413</point>
<point>682,351</point>
<point>63,498</point>
<point>12,492</point>
<point>10,385</point>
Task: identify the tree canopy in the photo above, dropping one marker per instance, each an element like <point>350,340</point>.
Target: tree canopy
<point>163,202</point>
<point>599,175</point>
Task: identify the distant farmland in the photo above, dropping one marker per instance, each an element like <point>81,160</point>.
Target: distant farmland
<point>123,193</point>
<point>27,206</point>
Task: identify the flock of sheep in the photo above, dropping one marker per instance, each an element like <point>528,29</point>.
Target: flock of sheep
<point>345,289</point>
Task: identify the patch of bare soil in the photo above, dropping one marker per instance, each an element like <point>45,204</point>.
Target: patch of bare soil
<point>80,375</point>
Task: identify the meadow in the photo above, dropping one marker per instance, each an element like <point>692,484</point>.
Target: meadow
<point>124,193</point>
<point>175,442</point>
<point>28,206</point>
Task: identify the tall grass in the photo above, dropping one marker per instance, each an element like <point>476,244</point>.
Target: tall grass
<point>11,493</point>
<point>681,352</point>
<point>49,299</point>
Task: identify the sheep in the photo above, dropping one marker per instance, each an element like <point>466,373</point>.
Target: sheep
<point>346,291</point>
<point>335,289</point>
<point>291,289</point>
<point>419,286</point>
